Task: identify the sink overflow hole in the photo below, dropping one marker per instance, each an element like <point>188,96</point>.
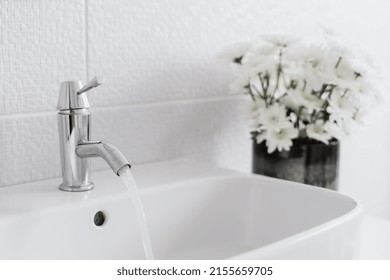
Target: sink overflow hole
<point>99,218</point>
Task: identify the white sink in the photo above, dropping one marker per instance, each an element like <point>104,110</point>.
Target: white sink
<point>192,213</point>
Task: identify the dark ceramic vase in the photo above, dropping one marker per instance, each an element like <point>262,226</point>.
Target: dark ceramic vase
<point>308,161</point>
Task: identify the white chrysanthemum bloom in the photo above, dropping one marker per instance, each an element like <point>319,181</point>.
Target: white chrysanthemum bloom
<point>314,72</point>
<point>360,116</point>
<point>295,99</point>
<point>280,140</point>
<point>345,76</point>
<point>274,118</point>
<point>261,136</point>
<point>258,54</point>
<point>318,73</point>
<point>367,87</point>
<point>280,40</point>
<point>335,130</point>
<point>294,71</point>
<point>265,65</point>
<point>318,131</point>
<point>257,107</point>
<point>348,126</point>
<point>338,48</point>
<point>238,86</point>
<point>342,106</point>
<point>364,69</point>
<point>311,53</point>
<point>234,52</point>
<point>315,81</point>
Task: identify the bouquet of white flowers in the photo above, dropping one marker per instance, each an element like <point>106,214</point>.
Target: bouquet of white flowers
<point>303,90</point>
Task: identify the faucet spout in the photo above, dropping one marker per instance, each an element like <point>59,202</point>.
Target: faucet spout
<point>107,151</point>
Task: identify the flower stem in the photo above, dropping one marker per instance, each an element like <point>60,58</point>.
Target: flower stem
<point>263,86</point>
<point>278,73</point>
<point>251,93</point>
<point>338,62</point>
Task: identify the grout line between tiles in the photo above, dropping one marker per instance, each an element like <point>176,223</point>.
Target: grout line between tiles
<point>137,105</point>
<point>16,116</point>
<point>173,102</point>
<point>86,39</point>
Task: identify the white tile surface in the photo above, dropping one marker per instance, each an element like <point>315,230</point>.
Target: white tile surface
<point>158,50</point>
<point>212,131</point>
<point>41,43</point>
<point>29,148</point>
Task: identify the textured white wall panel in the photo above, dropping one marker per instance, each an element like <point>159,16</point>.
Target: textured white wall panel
<point>158,50</point>
<point>29,148</point>
<point>202,130</point>
<point>41,43</point>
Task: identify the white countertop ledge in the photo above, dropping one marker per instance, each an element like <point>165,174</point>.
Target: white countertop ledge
<point>38,196</point>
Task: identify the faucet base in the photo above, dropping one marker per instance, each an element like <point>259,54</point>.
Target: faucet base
<point>82,188</point>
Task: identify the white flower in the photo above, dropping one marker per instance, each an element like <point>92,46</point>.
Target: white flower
<point>295,99</point>
<point>274,118</point>
<point>258,53</point>
<point>318,131</point>
<point>266,65</point>
<point>257,107</point>
<point>280,40</point>
<point>261,136</point>
<point>239,85</point>
<point>337,46</point>
<point>234,53</point>
<point>335,130</point>
<point>362,68</point>
<point>280,140</point>
<point>360,116</point>
<point>306,53</point>
<point>254,110</point>
<point>342,106</point>
<point>369,89</point>
<point>319,71</point>
<point>345,76</point>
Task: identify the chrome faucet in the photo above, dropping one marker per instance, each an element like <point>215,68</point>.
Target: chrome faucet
<point>74,127</point>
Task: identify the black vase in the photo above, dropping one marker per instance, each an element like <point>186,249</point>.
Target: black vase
<point>308,161</point>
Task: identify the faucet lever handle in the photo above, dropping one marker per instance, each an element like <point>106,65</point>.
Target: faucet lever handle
<point>95,82</point>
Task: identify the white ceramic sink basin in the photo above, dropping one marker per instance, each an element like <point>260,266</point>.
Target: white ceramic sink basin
<point>192,213</point>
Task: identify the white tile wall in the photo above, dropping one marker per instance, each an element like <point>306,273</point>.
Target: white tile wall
<point>165,50</point>
<point>29,148</point>
<point>166,95</point>
<point>202,130</point>
<point>41,43</point>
